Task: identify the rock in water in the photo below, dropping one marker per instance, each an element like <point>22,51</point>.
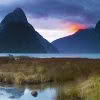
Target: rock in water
<point>34,93</point>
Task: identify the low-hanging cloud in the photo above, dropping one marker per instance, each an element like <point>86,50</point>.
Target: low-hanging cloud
<point>84,11</point>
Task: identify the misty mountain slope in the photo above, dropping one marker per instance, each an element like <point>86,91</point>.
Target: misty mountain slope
<point>18,36</point>
<point>83,41</point>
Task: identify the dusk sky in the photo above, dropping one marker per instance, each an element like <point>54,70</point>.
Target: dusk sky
<point>54,19</point>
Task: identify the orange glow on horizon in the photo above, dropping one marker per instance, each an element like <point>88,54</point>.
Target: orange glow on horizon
<point>71,27</point>
<point>75,27</point>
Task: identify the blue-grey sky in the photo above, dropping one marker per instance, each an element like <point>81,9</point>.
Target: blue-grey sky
<point>55,18</point>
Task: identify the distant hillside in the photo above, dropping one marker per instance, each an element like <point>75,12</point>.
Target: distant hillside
<point>83,41</point>
<point>18,36</point>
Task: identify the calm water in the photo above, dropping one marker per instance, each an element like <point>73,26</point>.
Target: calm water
<point>45,92</point>
<point>15,93</point>
<point>93,56</point>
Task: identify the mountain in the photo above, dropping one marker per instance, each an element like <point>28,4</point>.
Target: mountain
<point>18,36</point>
<point>83,41</point>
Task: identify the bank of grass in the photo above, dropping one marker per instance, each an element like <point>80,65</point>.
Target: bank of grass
<point>92,91</point>
<point>85,90</point>
<point>36,71</point>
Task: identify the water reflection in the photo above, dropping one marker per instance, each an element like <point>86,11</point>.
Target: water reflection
<point>67,91</point>
<point>11,93</point>
<point>37,92</point>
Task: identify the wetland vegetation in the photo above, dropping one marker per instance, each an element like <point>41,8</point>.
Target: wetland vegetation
<point>79,78</point>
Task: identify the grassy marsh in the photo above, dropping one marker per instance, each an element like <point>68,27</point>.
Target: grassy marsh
<point>85,73</point>
<point>30,71</point>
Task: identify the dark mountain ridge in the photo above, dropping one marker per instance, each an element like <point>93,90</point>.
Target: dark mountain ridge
<point>18,36</point>
<point>83,41</point>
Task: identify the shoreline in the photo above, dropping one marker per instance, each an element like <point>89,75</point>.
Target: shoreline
<point>40,58</point>
<point>49,56</point>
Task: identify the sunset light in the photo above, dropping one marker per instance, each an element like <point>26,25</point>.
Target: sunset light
<point>76,27</point>
<point>66,30</point>
<point>71,27</point>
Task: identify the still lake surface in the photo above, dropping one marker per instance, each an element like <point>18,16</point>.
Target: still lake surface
<point>92,56</point>
<point>44,92</point>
